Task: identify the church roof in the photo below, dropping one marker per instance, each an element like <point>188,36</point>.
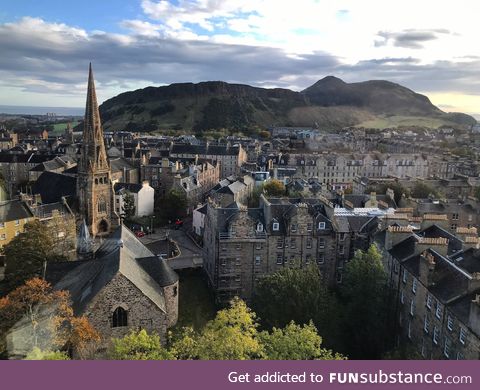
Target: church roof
<point>53,186</point>
<point>121,253</point>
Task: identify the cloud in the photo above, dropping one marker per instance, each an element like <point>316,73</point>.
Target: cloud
<point>411,39</point>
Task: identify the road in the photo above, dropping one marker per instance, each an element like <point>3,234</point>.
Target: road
<point>190,254</point>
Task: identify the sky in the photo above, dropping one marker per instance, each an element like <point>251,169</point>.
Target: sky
<point>46,46</point>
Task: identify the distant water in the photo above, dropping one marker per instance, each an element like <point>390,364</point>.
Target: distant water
<point>32,110</point>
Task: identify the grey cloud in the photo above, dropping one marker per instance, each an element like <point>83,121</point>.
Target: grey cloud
<point>409,38</point>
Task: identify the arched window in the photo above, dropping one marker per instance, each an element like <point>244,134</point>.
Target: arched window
<point>102,205</point>
<point>96,181</point>
<point>120,317</point>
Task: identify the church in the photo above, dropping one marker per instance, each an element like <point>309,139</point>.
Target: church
<point>121,285</point>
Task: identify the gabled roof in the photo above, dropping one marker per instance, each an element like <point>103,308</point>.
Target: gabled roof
<point>122,253</point>
<point>11,210</point>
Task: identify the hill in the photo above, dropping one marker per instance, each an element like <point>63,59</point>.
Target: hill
<point>330,103</point>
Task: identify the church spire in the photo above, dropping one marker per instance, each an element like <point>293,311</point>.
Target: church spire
<point>95,156</point>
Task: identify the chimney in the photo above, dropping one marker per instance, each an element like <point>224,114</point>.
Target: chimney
<point>426,268</point>
<point>438,244</point>
<point>471,242</point>
<point>474,282</point>
<point>372,202</point>
<point>474,315</point>
<point>396,234</point>
<point>165,162</point>
<point>435,219</point>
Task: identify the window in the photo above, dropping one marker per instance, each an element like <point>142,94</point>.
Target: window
<point>426,324</point>
<point>309,243</point>
<point>450,323</point>
<point>341,236</point>
<point>412,307</point>
<point>280,243</point>
<point>276,226</point>
<point>293,228</point>
<point>308,258</point>
<point>463,335</point>
<point>119,317</point>
<point>258,246</point>
<point>175,291</point>
<point>447,347</point>
<point>293,243</point>
<point>102,206</point>
<point>3,236</point>
<point>341,250</point>
<point>395,267</point>
<point>455,217</point>
<point>2,225</point>
<point>223,261</point>
<point>258,260</point>
<point>460,356</point>
<point>414,286</point>
<point>404,277</point>
<point>237,261</point>
<point>309,227</point>
<point>429,301</point>
<point>321,258</point>
<point>402,297</point>
<point>17,222</point>
<point>435,335</point>
<point>321,243</point>
<point>422,351</point>
<point>339,277</point>
<point>454,226</point>
<point>259,227</point>
<point>279,258</point>
<point>321,225</point>
<point>409,332</point>
<point>438,311</point>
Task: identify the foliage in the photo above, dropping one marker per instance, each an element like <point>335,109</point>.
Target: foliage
<point>173,205</point>
<point>38,354</point>
<point>274,187</point>
<point>422,191</point>
<point>139,346</point>
<point>302,296</point>
<point>364,297</point>
<point>232,335</point>
<point>254,198</point>
<point>128,208</point>
<point>46,315</point>
<point>295,342</point>
<point>476,193</point>
<point>27,253</point>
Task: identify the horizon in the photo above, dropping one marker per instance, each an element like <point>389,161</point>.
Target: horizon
<point>47,47</point>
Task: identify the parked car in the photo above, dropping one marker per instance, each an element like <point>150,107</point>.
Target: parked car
<point>139,233</point>
<point>178,224</point>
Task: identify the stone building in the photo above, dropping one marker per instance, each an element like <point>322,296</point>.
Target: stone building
<point>94,180</point>
<point>435,276</point>
<point>124,287</point>
<point>242,245</point>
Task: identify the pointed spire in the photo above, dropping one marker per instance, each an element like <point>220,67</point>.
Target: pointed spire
<point>84,242</point>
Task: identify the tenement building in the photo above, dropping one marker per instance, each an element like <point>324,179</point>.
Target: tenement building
<point>436,278</point>
<point>241,245</point>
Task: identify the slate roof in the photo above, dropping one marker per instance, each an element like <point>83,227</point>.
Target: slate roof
<point>11,210</point>
<point>131,187</point>
<point>122,253</point>
<point>53,186</point>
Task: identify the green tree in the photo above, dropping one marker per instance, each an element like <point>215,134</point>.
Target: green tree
<point>128,208</point>
<point>27,253</point>
<point>274,187</point>
<point>231,335</point>
<point>364,296</point>
<point>139,346</point>
<point>422,190</point>
<point>173,205</point>
<point>297,294</point>
<point>38,354</point>
<point>295,342</point>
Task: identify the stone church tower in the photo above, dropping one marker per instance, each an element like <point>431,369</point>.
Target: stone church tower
<point>94,184</point>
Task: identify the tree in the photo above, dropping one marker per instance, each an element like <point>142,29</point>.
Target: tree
<point>274,187</point>
<point>128,208</point>
<point>173,205</point>
<point>364,296</point>
<point>139,346</point>
<point>44,319</point>
<point>231,335</point>
<point>27,253</point>
<point>38,354</point>
<point>422,190</point>
<point>295,342</point>
<point>297,294</point>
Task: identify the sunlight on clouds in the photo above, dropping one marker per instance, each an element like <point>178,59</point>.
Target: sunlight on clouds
<point>456,102</point>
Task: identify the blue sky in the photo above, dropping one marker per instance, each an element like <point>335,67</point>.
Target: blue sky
<point>46,46</point>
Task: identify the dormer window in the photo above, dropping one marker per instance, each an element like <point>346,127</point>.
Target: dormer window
<point>259,227</point>
<point>276,226</point>
<point>321,225</point>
